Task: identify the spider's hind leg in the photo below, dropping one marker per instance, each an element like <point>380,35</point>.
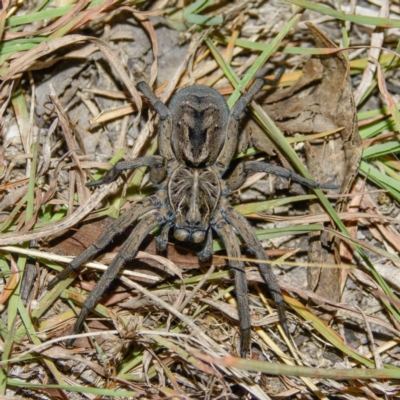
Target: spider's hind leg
<point>228,236</point>
<point>278,76</point>
<point>243,101</point>
<point>246,231</point>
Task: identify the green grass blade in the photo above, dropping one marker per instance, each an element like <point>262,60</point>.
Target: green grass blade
<point>192,16</point>
<point>45,14</point>
<point>261,60</point>
<point>381,149</point>
<point>358,19</point>
<point>89,390</point>
<point>280,140</point>
<point>271,368</point>
<point>382,180</point>
<point>327,332</point>
<point>250,208</point>
<point>377,127</point>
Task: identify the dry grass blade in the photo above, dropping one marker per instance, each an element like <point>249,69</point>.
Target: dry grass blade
<point>79,6</point>
<point>274,369</point>
<point>56,227</point>
<point>70,111</point>
<point>25,61</point>
<point>205,340</point>
<point>83,192</point>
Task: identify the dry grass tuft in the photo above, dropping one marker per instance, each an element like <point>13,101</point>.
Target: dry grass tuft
<point>69,108</point>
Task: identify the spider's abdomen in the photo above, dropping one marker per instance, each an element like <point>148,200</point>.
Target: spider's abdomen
<point>193,195</point>
<point>199,119</point>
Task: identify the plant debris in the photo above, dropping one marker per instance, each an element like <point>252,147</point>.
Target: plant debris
<point>168,328</point>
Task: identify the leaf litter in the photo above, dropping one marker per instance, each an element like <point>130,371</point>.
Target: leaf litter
<point>91,110</point>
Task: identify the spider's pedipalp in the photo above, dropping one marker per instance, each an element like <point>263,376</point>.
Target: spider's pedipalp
<point>228,236</point>
<point>116,228</point>
<point>246,231</point>
<point>206,253</point>
<point>162,238</point>
<point>127,252</point>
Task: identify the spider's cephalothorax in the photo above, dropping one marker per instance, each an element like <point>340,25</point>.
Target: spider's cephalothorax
<point>197,139</point>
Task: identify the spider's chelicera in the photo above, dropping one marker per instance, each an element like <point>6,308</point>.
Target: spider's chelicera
<point>197,139</point>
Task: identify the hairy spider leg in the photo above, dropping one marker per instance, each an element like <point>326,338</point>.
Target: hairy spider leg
<point>278,76</point>
<point>116,228</point>
<point>239,175</point>
<point>164,132</point>
<point>246,231</point>
<point>128,251</point>
<point>113,173</point>
<point>232,129</point>
<point>246,99</point>
<point>228,236</point>
<point>165,125</point>
<point>156,103</point>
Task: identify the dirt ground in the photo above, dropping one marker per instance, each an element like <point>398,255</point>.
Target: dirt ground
<point>82,115</point>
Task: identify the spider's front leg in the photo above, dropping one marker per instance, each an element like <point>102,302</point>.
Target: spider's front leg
<point>165,125</point>
<point>241,172</point>
<point>158,163</point>
<point>127,252</point>
<point>246,231</point>
<point>231,243</point>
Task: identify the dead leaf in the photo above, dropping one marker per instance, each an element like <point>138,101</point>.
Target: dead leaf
<point>322,100</point>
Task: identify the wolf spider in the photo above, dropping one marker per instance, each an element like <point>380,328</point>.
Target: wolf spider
<point>197,139</point>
